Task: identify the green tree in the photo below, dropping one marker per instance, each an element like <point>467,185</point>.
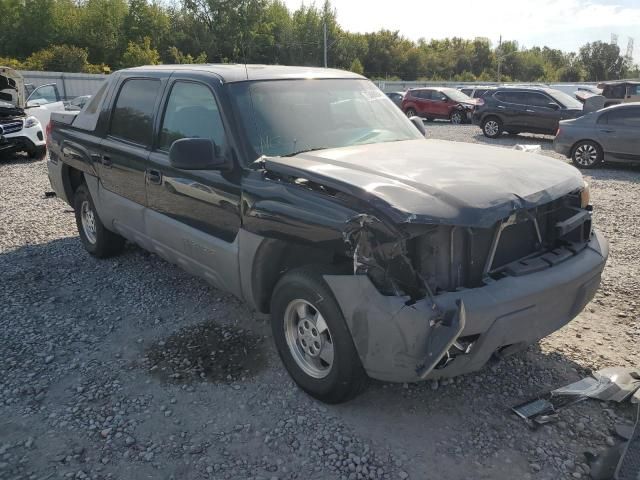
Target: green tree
<point>602,61</point>
<point>356,67</point>
<point>58,58</point>
<point>101,30</point>
<point>140,53</point>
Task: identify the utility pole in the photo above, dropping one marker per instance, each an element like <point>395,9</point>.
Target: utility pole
<point>325,44</point>
<point>499,57</point>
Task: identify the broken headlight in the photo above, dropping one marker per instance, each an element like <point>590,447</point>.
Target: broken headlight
<point>31,122</point>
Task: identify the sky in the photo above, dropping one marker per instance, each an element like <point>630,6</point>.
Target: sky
<point>563,24</point>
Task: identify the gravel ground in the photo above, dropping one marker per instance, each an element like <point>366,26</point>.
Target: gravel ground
<point>129,368</point>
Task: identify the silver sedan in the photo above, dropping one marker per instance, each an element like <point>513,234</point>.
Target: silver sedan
<point>611,134</point>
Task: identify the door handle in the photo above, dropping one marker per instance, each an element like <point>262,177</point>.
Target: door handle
<point>501,106</point>
<point>106,161</point>
<point>154,176</point>
<point>606,131</point>
<point>530,111</point>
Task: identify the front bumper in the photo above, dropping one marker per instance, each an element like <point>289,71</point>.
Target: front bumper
<point>393,339</point>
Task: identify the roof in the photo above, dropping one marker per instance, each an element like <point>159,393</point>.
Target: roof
<point>621,82</point>
<point>229,72</point>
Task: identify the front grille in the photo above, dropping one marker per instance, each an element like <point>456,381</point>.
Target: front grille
<point>10,127</point>
<point>450,257</point>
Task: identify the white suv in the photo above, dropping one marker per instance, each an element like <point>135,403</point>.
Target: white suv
<point>22,119</point>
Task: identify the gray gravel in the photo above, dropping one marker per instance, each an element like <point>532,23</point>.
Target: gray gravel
<point>106,372</point>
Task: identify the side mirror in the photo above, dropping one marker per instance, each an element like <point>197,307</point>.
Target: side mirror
<point>197,154</point>
<point>33,103</point>
<point>417,121</point>
<point>553,106</point>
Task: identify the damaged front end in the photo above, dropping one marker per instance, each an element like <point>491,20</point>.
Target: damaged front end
<point>412,304</point>
<point>469,275</point>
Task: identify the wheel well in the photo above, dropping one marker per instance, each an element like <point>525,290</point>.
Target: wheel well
<point>490,116</point>
<point>274,258</point>
<point>72,178</point>
<point>575,145</point>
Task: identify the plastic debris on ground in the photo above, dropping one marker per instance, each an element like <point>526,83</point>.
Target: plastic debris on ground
<point>528,148</point>
<point>609,384</point>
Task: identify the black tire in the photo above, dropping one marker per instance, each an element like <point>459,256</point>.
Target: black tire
<point>457,117</point>
<point>492,127</point>
<point>37,153</point>
<point>105,243</point>
<point>410,112</point>
<point>346,377</point>
<point>587,154</point>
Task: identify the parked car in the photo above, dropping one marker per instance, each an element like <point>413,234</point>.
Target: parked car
<point>396,97</point>
<point>524,109</point>
<point>77,103</point>
<point>474,91</point>
<point>438,102</point>
<point>622,91</point>
<point>309,195</point>
<point>611,134</point>
<point>20,127</point>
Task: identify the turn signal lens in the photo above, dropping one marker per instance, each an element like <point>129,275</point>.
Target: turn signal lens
<point>585,196</point>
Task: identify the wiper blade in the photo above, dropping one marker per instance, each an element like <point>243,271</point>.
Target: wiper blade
<point>305,151</point>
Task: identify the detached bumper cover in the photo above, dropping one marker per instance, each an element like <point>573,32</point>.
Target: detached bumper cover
<point>395,340</point>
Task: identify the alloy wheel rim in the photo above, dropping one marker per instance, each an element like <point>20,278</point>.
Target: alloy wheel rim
<point>586,155</point>
<point>491,127</point>
<point>456,118</point>
<point>88,220</point>
<point>308,338</point>
<point>410,113</point>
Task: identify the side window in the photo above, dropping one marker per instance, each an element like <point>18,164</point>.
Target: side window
<point>44,94</point>
<point>439,96</point>
<point>633,90</point>
<point>512,97</point>
<point>625,117</point>
<point>539,100</point>
<point>191,111</point>
<point>132,117</point>
<point>467,91</point>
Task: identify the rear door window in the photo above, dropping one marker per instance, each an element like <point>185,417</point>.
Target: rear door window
<point>132,117</point>
<point>519,98</point>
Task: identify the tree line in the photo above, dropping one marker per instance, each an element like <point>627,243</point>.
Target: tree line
<point>102,35</point>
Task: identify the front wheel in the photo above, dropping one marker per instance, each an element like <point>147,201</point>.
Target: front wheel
<point>410,112</point>
<point>37,152</point>
<point>312,338</point>
<point>456,117</point>
<point>492,127</point>
<point>96,239</point>
<point>587,154</point>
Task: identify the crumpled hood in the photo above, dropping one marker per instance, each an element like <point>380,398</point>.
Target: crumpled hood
<point>11,88</point>
<point>436,181</point>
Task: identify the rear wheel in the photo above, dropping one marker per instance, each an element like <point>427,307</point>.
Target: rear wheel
<point>492,127</point>
<point>410,112</point>
<point>456,117</point>
<point>96,239</point>
<point>312,338</point>
<point>587,154</point>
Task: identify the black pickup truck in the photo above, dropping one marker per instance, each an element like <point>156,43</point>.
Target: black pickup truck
<point>309,195</point>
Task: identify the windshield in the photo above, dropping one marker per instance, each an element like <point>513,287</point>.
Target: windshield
<point>566,100</point>
<point>457,95</point>
<point>285,117</point>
